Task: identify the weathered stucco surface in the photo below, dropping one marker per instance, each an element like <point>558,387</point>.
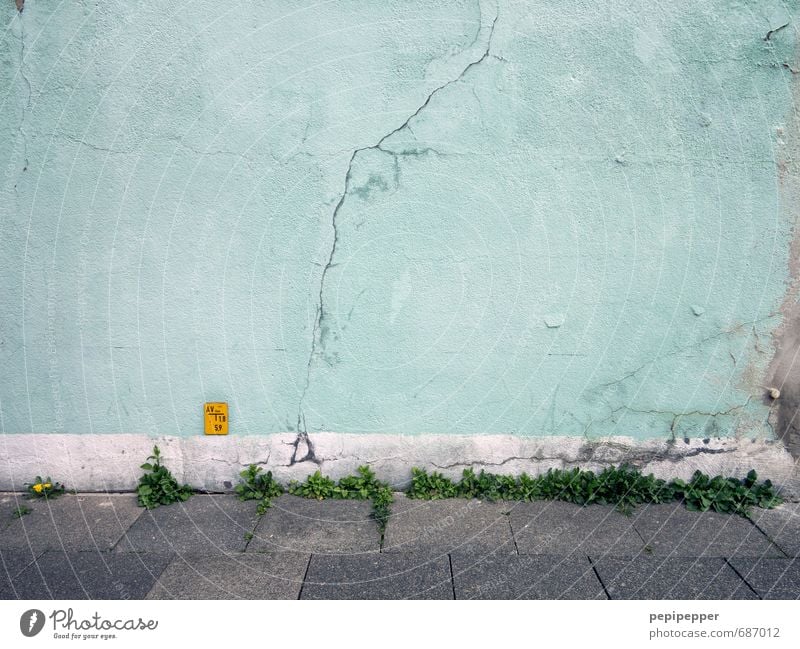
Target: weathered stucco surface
<point>448,217</point>
<point>112,462</point>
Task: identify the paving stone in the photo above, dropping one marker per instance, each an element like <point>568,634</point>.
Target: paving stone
<point>90,575</point>
<point>73,523</point>
<point>504,576</point>
<point>672,530</point>
<point>203,524</point>
<point>268,575</point>
<point>559,528</point>
<point>771,578</point>
<point>316,526</point>
<point>670,578</point>
<point>442,526</point>
<point>13,562</point>
<point>781,525</point>
<point>9,502</point>
<point>378,576</point>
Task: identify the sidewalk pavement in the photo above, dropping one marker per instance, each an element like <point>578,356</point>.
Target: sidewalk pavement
<point>102,546</point>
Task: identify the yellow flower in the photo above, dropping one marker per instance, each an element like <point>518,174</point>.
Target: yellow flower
<point>47,485</point>
<point>38,487</point>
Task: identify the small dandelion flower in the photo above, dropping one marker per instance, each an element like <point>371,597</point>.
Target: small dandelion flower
<point>47,485</point>
<point>38,487</point>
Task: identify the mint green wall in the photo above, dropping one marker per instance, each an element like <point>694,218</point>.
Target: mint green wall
<point>549,217</point>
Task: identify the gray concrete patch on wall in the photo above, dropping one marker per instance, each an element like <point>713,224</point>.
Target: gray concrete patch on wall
<point>112,462</point>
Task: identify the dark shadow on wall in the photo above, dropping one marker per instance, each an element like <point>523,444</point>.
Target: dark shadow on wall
<point>784,371</point>
<point>786,377</point>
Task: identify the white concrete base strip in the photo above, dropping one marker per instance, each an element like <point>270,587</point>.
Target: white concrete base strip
<point>112,462</point>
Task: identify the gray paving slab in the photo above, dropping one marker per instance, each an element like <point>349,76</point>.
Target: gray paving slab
<point>781,525</point>
<point>13,562</point>
<point>210,524</point>
<point>771,578</point>
<point>314,526</point>
<point>436,527</point>
<point>378,576</point>
<point>268,575</point>
<point>9,502</point>
<point>560,528</point>
<point>672,530</point>
<point>670,578</point>
<point>75,523</point>
<point>90,575</point>
<point>504,576</point>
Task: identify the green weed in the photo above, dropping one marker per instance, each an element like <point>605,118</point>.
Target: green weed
<point>623,486</point>
<point>21,511</point>
<point>362,486</point>
<point>45,488</point>
<point>259,486</point>
<point>158,486</point>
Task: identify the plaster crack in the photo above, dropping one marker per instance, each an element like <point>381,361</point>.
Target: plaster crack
<point>303,440</point>
<point>317,332</point>
<point>588,453</point>
<point>677,415</point>
<point>738,329</point>
<point>28,103</point>
<point>774,31</point>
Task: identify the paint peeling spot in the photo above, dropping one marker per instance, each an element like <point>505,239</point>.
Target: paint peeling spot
<point>20,5</point>
<point>685,440</point>
<point>704,119</point>
<point>554,320</point>
<point>706,440</point>
<point>620,159</point>
<point>698,310</point>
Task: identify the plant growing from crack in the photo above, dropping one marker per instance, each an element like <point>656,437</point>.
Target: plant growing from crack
<point>158,486</point>
<point>45,488</point>
<point>362,486</point>
<point>726,495</point>
<point>22,510</point>
<point>624,487</point>
<point>259,486</point>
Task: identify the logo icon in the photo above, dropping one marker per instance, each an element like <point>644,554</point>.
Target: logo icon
<point>31,622</point>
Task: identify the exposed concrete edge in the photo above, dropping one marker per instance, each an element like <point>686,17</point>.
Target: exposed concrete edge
<point>111,462</point>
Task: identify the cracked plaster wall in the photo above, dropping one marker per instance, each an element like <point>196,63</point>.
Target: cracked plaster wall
<point>450,217</point>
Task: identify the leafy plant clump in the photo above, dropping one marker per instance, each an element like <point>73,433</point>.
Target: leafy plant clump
<point>45,488</point>
<point>259,486</point>
<point>316,486</point>
<point>21,511</point>
<point>624,486</point>
<point>362,486</point>
<point>158,486</point>
<point>435,486</point>
<point>726,495</point>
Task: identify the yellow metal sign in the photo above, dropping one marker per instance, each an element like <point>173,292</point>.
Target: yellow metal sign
<point>216,417</point>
